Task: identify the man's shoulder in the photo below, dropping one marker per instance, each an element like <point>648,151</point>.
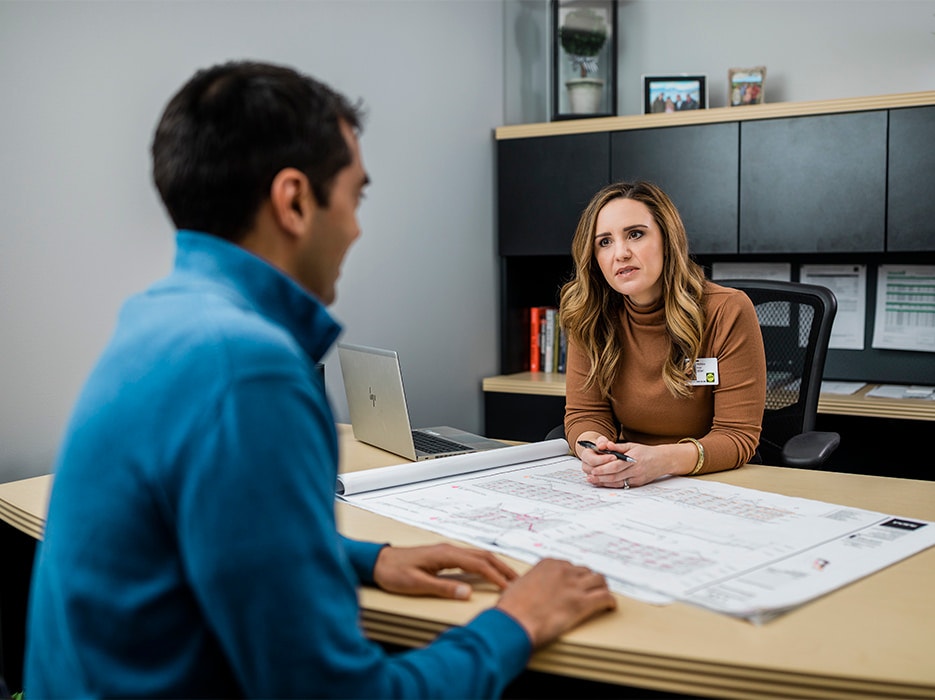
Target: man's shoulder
<point>207,323</point>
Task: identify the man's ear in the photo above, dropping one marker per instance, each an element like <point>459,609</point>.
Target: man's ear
<point>292,200</point>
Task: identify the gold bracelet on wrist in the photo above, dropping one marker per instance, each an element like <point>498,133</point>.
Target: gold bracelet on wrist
<point>700,463</point>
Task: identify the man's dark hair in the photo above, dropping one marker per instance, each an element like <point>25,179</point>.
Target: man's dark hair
<point>231,128</point>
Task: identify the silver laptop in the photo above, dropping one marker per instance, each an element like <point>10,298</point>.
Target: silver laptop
<point>373,382</point>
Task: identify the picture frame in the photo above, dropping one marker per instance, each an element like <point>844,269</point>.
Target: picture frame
<point>584,59</point>
<point>674,93</point>
<point>746,86</point>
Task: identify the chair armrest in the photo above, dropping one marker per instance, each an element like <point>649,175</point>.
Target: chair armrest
<point>557,432</point>
<point>809,450</point>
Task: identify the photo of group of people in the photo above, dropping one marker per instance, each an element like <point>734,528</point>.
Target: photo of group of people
<point>746,85</point>
<point>674,94</point>
<point>681,92</point>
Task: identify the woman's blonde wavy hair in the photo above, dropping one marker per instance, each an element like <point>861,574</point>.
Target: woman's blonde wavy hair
<point>590,308</point>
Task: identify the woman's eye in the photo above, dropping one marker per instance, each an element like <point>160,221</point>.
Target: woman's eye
<point>603,242</point>
<point>635,235</point>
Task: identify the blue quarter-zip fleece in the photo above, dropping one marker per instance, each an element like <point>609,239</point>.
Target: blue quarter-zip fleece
<point>191,546</point>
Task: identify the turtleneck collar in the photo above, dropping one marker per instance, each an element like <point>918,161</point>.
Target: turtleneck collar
<point>260,286</point>
<point>645,315</point>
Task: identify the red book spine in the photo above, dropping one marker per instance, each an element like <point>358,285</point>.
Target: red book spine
<point>534,322</point>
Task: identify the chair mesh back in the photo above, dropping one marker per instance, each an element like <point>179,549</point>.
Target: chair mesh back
<point>795,320</point>
<point>786,356</point>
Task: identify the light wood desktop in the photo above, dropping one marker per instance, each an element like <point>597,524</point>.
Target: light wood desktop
<point>856,404</point>
<point>871,639</point>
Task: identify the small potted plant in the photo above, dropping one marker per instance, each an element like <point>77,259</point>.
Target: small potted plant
<point>582,37</point>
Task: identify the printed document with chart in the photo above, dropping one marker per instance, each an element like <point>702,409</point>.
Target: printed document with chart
<point>905,308</point>
<point>734,550</point>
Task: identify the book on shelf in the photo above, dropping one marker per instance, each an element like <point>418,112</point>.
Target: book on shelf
<point>534,330</point>
<point>546,340</point>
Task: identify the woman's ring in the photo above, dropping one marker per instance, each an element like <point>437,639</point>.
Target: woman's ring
<point>626,484</point>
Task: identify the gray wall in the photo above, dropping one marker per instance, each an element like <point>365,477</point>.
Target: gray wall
<point>81,227</point>
<point>812,49</point>
<point>83,82</point>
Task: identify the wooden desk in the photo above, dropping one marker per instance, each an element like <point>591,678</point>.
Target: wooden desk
<point>859,404</point>
<point>856,404</point>
<point>871,639</point>
<point>23,504</point>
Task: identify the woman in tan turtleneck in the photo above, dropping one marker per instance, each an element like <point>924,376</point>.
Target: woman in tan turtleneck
<point>663,366</point>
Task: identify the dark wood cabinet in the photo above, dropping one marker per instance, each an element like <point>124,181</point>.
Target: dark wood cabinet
<point>543,184</point>
<point>838,181</point>
<point>813,184</point>
<point>524,417</point>
<point>526,281</point>
<point>697,166</point>
<point>911,180</point>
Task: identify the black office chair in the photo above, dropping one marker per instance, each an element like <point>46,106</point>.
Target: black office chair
<point>795,320</point>
<point>558,432</point>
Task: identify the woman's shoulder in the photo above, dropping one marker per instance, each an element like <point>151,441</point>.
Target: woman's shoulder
<point>725,300</point>
<point>719,294</point>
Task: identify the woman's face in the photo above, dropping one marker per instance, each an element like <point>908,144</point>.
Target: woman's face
<point>628,249</point>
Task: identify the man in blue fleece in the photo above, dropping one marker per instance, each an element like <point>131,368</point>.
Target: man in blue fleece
<point>191,547</point>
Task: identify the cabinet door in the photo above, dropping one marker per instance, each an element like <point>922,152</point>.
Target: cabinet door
<point>911,210</point>
<point>543,184</point>
<point>697,166</point>
<point>813,184</point>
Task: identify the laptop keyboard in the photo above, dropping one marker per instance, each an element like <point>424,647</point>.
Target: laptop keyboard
<point>433,444</point>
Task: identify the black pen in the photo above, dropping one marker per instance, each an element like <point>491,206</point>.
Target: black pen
<point>619,455</point>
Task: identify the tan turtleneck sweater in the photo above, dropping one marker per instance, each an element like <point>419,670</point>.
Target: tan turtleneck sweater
<point>726,418</point>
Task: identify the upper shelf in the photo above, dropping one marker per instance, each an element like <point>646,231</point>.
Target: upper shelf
<point>717,114</point>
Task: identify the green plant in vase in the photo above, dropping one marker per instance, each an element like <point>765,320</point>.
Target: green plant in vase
<point>583,36</point>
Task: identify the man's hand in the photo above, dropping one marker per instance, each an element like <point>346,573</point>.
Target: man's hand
<point>553,597</point>
<point>414,570</point>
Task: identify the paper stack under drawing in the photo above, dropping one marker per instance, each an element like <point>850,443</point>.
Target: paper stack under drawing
<point>734,550</point>
<point>898,391</point>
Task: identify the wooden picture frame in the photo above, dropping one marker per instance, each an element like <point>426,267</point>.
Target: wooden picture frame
<point>674,93</point>
<point>746,86</point>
